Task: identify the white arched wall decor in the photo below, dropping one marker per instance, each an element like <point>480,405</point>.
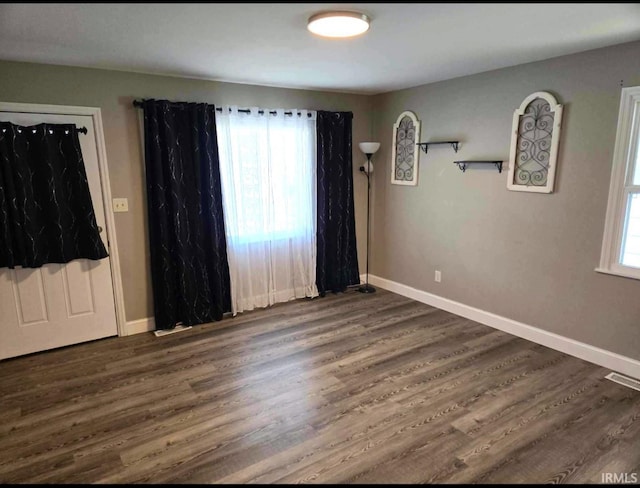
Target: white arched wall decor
<point>534,144</point>
<point>405,152</point>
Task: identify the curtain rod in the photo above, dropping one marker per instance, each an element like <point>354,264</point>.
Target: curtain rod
<point>83,130</point>
<point>138,103</point>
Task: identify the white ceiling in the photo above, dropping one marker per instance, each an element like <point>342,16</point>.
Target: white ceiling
<point>268,44</point>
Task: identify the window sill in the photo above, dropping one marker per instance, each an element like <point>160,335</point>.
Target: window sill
<point>624,274</point>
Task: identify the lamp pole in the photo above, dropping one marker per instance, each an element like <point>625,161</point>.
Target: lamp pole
<point>367,288</point>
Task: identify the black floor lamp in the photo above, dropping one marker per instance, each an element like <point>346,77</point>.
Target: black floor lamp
<point>369,148</point>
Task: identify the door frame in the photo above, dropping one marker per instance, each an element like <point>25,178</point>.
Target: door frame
<point>105,185</point>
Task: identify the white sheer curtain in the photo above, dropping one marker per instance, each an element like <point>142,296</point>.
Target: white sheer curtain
<point>268,168</point>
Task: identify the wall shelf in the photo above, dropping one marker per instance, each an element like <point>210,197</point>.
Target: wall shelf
<point>425,145</point>
<point>463,164</point>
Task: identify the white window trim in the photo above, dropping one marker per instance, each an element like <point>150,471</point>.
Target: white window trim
<point>621,173</point>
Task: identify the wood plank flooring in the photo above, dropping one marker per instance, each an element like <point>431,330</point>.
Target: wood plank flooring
<point>350,388</point>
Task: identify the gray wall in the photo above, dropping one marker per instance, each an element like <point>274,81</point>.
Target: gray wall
<point>528,257</point>
<point>113,92</point>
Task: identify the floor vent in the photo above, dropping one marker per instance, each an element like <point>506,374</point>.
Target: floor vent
<point>177,328</point>
<point>624,380</point>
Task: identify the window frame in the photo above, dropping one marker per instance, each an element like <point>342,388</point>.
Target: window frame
<point>621,185</point>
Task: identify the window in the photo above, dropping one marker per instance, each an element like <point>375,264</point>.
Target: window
<point>621,242</point>
<point>267,165</point>
<point>268,180</point>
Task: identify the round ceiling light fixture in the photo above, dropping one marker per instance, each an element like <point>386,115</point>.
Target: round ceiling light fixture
<point>338,24</point>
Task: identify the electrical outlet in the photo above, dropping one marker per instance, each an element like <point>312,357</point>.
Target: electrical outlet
<point>120,205</point>
<point>438,276</point>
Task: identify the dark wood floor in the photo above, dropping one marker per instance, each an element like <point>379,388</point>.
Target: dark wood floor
<point>350,388</point>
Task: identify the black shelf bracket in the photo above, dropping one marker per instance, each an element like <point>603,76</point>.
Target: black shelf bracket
<point>425,145</point>
<point>463,164</point>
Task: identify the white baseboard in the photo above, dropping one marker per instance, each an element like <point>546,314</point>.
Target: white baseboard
<point>148,324</point>
<point>141,325</point>
<point>596,355</point>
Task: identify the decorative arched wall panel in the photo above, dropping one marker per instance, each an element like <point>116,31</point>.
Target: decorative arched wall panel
<point>534,144</point>
<point>406,154</point>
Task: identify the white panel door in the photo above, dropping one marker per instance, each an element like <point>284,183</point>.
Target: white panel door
<point>59,304</point>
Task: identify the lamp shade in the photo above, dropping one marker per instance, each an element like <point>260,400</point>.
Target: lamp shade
<point>369,147</point>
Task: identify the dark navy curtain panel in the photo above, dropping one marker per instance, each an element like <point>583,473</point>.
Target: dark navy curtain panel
<point>337,258</point>
<point>46,214</point>
<point>189,266</point>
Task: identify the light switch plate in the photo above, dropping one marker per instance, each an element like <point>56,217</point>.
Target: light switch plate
<point>120,205</point>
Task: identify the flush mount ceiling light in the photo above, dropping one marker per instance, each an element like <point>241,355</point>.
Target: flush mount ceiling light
<point>338,24</point>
